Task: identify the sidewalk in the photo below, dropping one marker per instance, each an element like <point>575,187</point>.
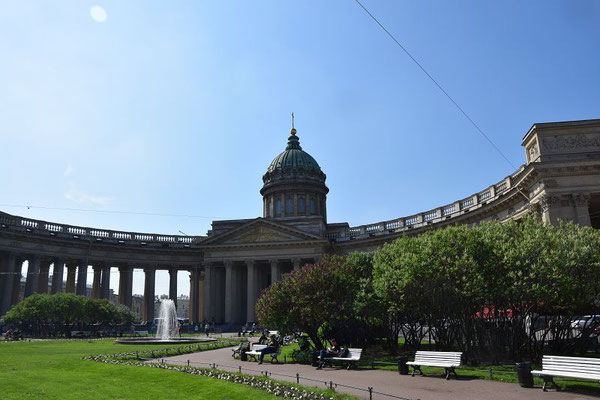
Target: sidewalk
<point>388,382</point>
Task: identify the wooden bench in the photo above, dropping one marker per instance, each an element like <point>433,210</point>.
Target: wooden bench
<point>255,352</point>
<point>352,358</point>
<point>568,367</point>
<point>449,360</point>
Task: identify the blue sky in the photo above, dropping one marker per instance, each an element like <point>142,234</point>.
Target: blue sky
<point>179,107</point>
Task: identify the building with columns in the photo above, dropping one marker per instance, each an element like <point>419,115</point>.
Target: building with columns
<point>229,267</point>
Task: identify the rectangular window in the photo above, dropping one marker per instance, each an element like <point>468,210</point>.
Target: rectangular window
<point>301,206</point>
<point>289,205</point>
<point>313,206</point>
<point>278,207</point>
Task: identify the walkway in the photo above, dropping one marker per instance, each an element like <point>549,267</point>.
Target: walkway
<point>389,382</point>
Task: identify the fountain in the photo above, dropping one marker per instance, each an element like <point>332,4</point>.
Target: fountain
<point>167,320</point>
<point>166,329</point>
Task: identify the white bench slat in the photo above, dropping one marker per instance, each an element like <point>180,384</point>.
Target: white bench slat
<point>593,377</point>
<point>441,365</point>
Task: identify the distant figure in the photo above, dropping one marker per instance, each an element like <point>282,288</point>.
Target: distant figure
<point>196,328</point>
<point>179,329</point>
<point>207,328</point>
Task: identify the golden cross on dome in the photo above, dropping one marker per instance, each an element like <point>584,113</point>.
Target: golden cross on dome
<point>293,131</point>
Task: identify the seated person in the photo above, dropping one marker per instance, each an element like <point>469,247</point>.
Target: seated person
<point>264,337</point>
<point>272,347</point>
<point>333,351</point>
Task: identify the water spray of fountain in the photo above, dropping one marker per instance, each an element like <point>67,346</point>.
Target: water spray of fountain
<point>167,320</point>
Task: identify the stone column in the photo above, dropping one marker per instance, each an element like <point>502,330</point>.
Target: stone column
<point>229,292</point>
<point>297,264</point>
<point>6,297</point>
<point>275,272</point>
<point>173,285</point>
<point>43,279</point>
<point>57,276</point>
<point>251,293</point>
<point>17,281</point>
<point>33,274</point>
<point>194,294</point>
<point>97,281</point>
<point>208,293</point>
<point>582,208</point>
<point>70,287</point>
<point>81,288</point>
<point>149,285</point>
<point>125,285</point>
<point>105,284</point>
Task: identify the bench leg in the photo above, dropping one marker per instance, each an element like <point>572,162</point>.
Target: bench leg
<point>449,371</point>
<point>549,380</point>
<point>415,368</point>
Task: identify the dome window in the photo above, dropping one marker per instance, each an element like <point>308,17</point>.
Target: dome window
<point>301,205</point>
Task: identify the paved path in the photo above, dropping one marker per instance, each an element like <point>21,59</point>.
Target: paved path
<point>389,382</point>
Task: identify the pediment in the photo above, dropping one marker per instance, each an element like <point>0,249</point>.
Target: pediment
<point>260,231</point>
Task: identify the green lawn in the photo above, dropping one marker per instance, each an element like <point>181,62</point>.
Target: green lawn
<point>54,370</point>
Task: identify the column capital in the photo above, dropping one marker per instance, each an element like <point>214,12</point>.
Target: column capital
<point>228,263</point>
<point>581,199</point>
<point>274,261</point>
<point>249,263</point>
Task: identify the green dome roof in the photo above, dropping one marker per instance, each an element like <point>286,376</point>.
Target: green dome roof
<point>293,165</point>
<point>294,158</point>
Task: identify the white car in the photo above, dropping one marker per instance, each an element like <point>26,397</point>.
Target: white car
<point>585,321</point>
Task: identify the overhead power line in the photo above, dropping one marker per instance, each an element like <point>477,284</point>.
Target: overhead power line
<point>108,211</point>
<point>436,83</point>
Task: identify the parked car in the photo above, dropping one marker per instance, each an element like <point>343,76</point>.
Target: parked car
<point>585,321</point>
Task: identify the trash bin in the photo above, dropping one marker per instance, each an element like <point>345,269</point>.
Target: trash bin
<point>402,367</point>
<point>243,356</point>
<point>524,374</point>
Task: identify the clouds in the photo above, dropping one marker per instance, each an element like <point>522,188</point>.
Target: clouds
<point>78,196</point>
<point>68,170</point>
<point>82,197</point>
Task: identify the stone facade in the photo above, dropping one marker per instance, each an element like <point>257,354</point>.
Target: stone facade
<point>238,258</point>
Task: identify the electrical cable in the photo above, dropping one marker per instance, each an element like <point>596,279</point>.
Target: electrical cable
<point>436,83</point>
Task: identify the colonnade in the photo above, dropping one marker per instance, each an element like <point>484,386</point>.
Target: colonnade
<point>37,281</point>
<point>232,287</point>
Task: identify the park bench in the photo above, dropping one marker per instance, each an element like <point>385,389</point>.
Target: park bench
<point>140,333</point>
<point>352,358</point>
<point>449,360</point>
<point>255,352</point>
<point>568,367</point>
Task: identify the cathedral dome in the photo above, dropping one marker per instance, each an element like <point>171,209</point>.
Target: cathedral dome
<point>293,164</point>
<point>294,185</point>
<point>294,158</point>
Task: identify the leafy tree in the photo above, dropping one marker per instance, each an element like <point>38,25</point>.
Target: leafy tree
<point>318,299</point>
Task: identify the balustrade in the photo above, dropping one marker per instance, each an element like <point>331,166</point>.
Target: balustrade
<point>431,216</point>
<point>449,209</point>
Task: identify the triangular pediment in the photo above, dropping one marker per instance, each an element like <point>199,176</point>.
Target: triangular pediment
<point>260,231</point>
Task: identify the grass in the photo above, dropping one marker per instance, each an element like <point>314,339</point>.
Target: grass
<point>55,370</point>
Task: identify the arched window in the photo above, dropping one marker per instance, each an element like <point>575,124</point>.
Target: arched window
<point>301,205</point>
<point>269,207</point>
<point>313,206</point>
<point>278,206</point>
<point>289,205</point>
